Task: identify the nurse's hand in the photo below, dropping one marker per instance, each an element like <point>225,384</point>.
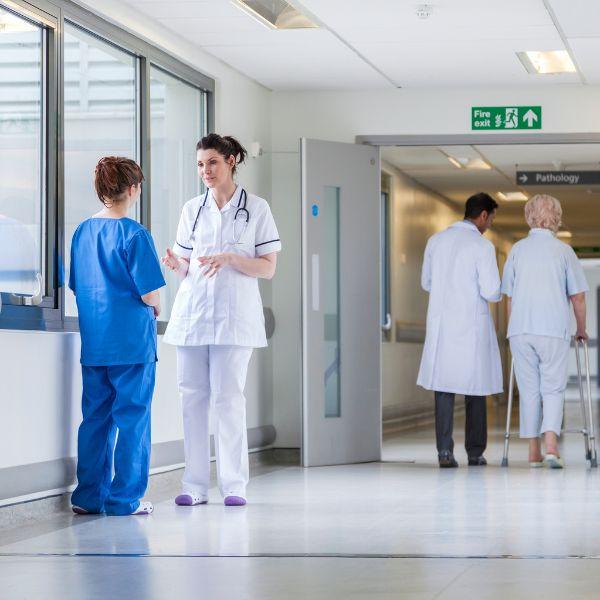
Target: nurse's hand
<point>171,260</point>
<point>214,263</point>
<point>156,311</point>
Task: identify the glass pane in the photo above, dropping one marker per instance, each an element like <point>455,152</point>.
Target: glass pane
<point>385,265</point>
<point>100,120</point>
<point>330,218</point>
<point>177,111</point>
<point>21,166</point>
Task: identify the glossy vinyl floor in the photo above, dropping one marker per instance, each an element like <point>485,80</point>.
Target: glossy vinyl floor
<point>397,529</point>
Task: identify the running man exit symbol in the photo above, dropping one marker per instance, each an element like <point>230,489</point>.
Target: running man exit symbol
<point>506,117</point>
<point>512,118</point>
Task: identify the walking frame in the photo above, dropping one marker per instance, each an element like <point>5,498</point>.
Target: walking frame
<point>587,429</point>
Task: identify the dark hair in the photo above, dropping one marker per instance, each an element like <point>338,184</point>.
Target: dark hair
<point>477,203</point>
<point>225,145</point>
<point>113,176</point>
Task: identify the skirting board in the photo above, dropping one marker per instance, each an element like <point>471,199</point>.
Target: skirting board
<point>36,478</point>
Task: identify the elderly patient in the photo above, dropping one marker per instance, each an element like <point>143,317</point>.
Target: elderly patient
<point>540,277</point>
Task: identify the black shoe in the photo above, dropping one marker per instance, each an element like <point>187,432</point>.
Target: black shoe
<point>447,460</point>
<point>477,461</point>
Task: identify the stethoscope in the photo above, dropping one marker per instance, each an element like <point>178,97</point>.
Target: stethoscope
<point>241,210</point>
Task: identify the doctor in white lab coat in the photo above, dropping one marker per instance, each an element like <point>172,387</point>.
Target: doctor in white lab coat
<point>461,353</point>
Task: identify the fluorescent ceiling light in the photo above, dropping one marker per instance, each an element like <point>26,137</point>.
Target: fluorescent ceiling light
<point>469,163</point>
<point>512,196</point>
<point>564,234</point>
<point>547,63</point>
<point>477,164</point>
<point>275,14</point>
<point>455,162</point>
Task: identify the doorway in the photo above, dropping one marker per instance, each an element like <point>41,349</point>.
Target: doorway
<point>426,187</point>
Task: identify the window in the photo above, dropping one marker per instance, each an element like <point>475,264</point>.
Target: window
<point>74,88</point>
<point>178,121</point>
<point>386,311</point>
<point>100,120</point>
<point>22,189</point>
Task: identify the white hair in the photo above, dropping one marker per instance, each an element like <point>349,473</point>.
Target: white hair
<point>543,211</point>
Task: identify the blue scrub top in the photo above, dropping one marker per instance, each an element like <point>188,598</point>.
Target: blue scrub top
<point>540,275</point>
<point>113,264</point>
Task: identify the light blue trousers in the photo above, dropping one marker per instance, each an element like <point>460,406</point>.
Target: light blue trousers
<point>541,365</point>
<point>115,398</point>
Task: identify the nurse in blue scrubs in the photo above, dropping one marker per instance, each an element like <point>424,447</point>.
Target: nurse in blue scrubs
<point>115,276</point>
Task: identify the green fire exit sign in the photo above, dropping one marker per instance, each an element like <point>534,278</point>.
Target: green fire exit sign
<point>506,117</point>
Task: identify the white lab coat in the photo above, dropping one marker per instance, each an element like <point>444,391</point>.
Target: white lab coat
<point>461,353</point>
<point>225,309</point>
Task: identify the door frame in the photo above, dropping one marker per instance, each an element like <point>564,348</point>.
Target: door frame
<point>483,139</point>
<point>479,139</point>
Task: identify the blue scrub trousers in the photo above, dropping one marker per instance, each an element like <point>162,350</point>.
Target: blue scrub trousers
<point>115,398</point>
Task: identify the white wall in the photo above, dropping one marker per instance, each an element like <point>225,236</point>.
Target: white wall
<point>340,116</point>
<point>39,371</point>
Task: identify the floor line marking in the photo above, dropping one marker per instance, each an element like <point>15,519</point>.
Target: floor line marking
<point>302,555</point>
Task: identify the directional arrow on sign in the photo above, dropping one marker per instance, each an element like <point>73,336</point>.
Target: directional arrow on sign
<point>523,178</point>
<point>530,117</point>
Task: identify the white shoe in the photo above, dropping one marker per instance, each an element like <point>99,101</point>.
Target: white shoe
<point>145,508</point>
<point>553,462</point>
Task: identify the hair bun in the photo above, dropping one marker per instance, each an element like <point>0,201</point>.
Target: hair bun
<point>113,176</point>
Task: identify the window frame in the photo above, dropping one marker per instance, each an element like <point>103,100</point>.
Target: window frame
<point>161,324</point>
<point>46,314</point>
<point>49,315</point>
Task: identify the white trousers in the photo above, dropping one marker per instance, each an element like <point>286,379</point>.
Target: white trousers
<point>541,366</point>
<point>214,375</point>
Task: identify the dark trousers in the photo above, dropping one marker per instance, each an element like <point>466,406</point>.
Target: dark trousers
<point>475,423</point>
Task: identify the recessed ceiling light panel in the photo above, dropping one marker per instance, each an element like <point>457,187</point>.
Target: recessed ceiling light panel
<point>552,62</point>
<point>474,164</point>
<point>275,14</point>
<point>512,196</point>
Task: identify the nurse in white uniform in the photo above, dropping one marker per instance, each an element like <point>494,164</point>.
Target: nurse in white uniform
<point>226,240</point>
<point>541,276</point>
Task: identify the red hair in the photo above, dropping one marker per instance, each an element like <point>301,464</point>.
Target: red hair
<point>113,176</point>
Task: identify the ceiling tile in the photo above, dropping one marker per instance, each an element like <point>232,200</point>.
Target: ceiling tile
<point>185,9</point>
<point>459,63</point>
<point>578,18</point>
<point>322,64</point>
<point>587,55</point>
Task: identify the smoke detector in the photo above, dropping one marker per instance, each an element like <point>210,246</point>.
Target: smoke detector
<point>424,11</point>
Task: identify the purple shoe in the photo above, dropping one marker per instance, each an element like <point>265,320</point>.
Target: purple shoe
<point>234,501</point>
<point>189,500</point>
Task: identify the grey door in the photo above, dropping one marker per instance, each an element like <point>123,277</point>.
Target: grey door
<point>341,395</point>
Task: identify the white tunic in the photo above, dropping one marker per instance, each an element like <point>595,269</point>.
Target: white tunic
<point>540,275</point>
<point>227,308</point>
<point>461,353</point>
